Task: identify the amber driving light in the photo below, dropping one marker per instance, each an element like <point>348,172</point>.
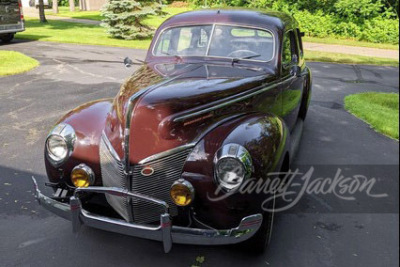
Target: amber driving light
<point>182,193</point>
<point>82,176</point>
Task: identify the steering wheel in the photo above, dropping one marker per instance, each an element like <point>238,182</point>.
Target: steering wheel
<point>242,53</point>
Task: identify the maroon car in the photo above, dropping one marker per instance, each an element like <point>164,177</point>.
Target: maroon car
<point>220,100</point>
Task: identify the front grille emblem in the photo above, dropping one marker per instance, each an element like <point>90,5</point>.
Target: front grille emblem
<point>147,171</point>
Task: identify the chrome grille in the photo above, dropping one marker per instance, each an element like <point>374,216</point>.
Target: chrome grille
<point>112,172</point>
<point>166,171</point>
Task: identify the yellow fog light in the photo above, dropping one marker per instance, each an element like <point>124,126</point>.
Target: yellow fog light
<point>182,193</point>
<point>82,176</point>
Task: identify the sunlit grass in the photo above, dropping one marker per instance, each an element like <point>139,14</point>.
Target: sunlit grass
<point>77,33</point>
<point>380,110</point>
<point>349,42</point>
<point>14,63</point>
<point>153,21</point>
<point>348,59</point>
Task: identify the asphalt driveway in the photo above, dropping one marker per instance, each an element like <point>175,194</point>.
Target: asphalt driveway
<point>70,75</point>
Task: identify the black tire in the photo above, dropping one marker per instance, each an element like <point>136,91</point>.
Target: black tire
<point>304,102</point>
<point>7,38</point>
<point>259,243</point>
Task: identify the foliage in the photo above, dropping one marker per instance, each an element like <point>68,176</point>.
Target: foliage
<point>380,110</point>
<point>14,63</point>
<point>66,3</point>
<point>123,18</point>
<point>367,20</point>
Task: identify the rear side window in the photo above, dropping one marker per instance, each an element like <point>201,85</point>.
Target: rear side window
<point>289,49</point>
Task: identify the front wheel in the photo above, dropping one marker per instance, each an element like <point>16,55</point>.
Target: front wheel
<point>7,38</point>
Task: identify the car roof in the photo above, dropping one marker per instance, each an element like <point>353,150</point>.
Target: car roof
<point>255,18</point>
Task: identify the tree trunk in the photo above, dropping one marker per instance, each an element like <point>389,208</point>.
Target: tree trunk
<point>42,16</point>
<point>82,5</point>
<point>72,5</point>
<point>55,6</point>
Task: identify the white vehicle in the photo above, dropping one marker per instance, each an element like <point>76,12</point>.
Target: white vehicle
<point>11,19</point>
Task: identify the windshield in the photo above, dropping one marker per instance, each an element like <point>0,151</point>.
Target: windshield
<point>216,41</point>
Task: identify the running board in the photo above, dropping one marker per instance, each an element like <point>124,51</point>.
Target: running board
<point>295,138</point>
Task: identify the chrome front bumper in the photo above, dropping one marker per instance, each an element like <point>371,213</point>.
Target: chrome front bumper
<point>165,232</point>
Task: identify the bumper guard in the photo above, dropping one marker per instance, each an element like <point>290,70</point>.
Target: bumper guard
<point>165,232</point>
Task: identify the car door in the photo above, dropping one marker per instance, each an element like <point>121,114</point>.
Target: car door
<point>292,80</point>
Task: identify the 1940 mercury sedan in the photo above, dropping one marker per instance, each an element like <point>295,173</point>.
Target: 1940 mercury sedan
<point>220,100</point>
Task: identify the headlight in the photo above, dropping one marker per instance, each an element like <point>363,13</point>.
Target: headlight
<point>60,144</point>
<point>57,148</point>
<point>232,165</point>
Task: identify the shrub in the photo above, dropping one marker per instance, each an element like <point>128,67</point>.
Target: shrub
<point>316,25</point>
<point>123,18</point>
<point>381,31</point>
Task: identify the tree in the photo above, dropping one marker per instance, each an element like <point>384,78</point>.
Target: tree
<point>55,7</point>
<point>42,16</point>
<point>123,18</point>
<point>71,5</point>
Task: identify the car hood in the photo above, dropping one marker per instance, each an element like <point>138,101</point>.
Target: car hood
<point>164,115</point>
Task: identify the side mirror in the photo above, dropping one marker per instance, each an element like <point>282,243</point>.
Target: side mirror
<point>295,71</point>
<point>128,62</point>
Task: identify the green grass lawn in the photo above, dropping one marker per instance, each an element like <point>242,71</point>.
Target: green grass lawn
<point>154,21</point>
<point>64,12</point>
<point>380,110</point>
<point>349,42</point>
<point>76,33</point>
<point>349,59</point>
<point>14,63</point>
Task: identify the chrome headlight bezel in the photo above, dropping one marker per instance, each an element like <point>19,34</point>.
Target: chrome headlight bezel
<point>237,153</point>
<point>66,133</point>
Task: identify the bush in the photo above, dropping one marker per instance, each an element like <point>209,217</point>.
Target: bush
<point>368,20</point>
<point>123,18</point>
<point>315,25</point>
<point>381,31</point>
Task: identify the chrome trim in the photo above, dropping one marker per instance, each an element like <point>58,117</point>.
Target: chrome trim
<point>188,185</point>
<point>66,132</point>
<point>166,153</point>
<point>209,42</point>
<point>238,152</point>
<point>128,127</point>
<point>229,102</point>
<point>121,193</point>
<point>208,46</point>
<point>110,148</point>
<point>87,170</point>
<point>165,232</point>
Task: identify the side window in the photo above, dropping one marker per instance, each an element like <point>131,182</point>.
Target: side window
<point>289,51</point>
<point>185,39</point>
<point>164,45</point>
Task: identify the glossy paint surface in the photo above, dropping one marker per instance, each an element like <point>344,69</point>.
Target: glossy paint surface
<point>171,102</point>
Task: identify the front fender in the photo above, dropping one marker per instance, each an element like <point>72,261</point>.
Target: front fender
<point>88,122</point>
<point>266,138</point>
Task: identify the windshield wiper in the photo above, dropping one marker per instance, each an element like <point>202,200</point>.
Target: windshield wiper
<point>168,54</point>
<point>237,60</point>
<point>250,57</point>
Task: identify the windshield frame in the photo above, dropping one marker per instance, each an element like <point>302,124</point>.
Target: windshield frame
<point>214,25</point>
